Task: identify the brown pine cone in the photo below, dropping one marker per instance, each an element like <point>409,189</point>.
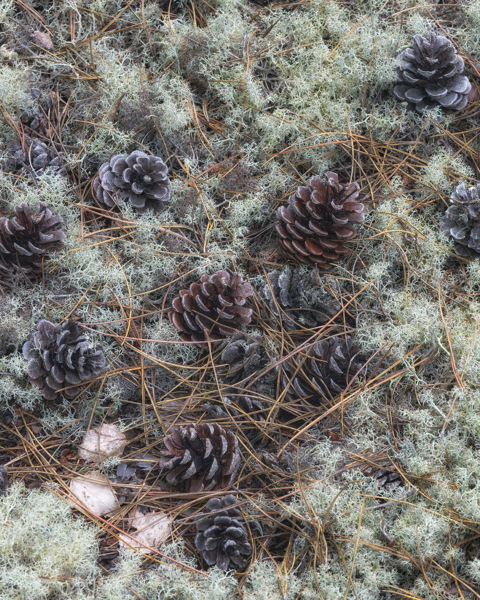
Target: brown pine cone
<point>326,371</point>
<point>200,457</point>
<point>222,534</point>
<point>385,474</point>
<point>213,308</point>
<point>26,239</point>
<point>137,178</point>
<point>318,219</point>
<point>430,75</point>
<point>61,356</point>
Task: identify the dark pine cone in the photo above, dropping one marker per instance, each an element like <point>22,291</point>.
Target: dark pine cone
<point>200,456</point>
<point>38,122</point>
<point>377,466</point>
<point>326,371</point>
<point>239,406</point>
<point>61,356</point>
<point>430,74</point>
<point>213,308</point>
<point>295,299</point>
<point>242,359</point>
<point>385,474</point>
<point>137,178</point>
<point>26,238</point>
<point>34,157</point>
<point>222,535</point>
<point>318,219</point>
<point>462,220</point>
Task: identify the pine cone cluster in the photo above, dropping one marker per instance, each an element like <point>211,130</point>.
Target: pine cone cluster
<point>200,457</point>
<point>430,75</point>
<point>34,156</point>
<point>26,239</point>
<point>213,308</point>
<point>328,368</point>
<point>296,302</point>
<point>222,535</point>
<point>137,178</point>
<point>318,219</point>
<point>462,220</point>
<point>61,356</point>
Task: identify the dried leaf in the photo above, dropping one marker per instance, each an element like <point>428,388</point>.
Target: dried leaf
<point>151,529</point>
<point>42,39</point>
<point>94,492</point>
<point>101,442</point>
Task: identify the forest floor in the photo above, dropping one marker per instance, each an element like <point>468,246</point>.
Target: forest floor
<point>370,494</point>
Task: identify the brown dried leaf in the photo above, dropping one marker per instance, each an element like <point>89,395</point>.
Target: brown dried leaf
<point>42,39</point>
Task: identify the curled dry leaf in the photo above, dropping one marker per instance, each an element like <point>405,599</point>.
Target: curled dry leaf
<point>101,442</point>
<point>94,493</point>
<point>151,530</point>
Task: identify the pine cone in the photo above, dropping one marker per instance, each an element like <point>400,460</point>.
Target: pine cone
<point>137,178</point>
<point>462,220</point>
<point>213,308</point>
<point>61,356</point>
<point>34,157</point>
<point>294,299</point>
<point>385,474</point>
<point>328,368</point>
<point>243,358</point>
<point>4,483</point>
<point>243,408</point>
<point>222,535</point>
<point>319,219</point>
<point>37,123</point>
<point>26,238</point>
<point>430,74</point>
<point>376,466</point>
<point>200,456</point>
